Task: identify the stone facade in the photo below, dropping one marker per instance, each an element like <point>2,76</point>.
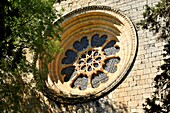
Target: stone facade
<point>129,96</point>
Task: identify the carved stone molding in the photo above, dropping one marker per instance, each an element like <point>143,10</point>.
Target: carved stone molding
<point>100,45</point>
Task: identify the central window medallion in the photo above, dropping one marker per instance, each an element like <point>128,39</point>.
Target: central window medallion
<point>99,45</point>
<point>90,62</point>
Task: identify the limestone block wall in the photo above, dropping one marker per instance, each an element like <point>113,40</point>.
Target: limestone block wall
<point>138,85</point>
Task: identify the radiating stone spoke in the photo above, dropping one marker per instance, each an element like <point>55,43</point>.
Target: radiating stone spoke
<point>66,65</point>
<point>104,71</point>
<point>74,78</point>
<point>107,41</point>
<point>112,56</point>
<point>89,85</point>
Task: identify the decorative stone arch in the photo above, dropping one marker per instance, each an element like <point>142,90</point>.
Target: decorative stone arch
<point>100,45</point>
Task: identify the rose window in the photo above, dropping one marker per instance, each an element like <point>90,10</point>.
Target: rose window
<point>99,49</point>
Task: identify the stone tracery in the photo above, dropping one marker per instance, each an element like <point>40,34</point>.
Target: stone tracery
<point>99,46</point>
<point>89,62</point>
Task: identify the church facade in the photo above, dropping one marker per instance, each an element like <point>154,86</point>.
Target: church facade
<point>108,63</point>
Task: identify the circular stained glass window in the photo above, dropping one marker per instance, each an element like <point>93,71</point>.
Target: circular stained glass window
<point>99,48</point>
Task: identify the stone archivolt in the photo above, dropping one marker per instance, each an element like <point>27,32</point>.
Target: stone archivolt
<point>99,47</point>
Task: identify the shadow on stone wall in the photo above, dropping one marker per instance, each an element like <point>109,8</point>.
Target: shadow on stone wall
<point>37,103</point>
<point>102,105</point>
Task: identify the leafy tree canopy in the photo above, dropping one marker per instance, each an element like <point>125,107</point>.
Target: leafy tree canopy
<point>25,25</point>
<point>157,19</point>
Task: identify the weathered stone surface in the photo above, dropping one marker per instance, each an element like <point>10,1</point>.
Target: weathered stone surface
<point>138,84</point>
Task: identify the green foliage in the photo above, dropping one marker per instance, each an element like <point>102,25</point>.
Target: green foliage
<point>157,19</point>
<point>25,25</point>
